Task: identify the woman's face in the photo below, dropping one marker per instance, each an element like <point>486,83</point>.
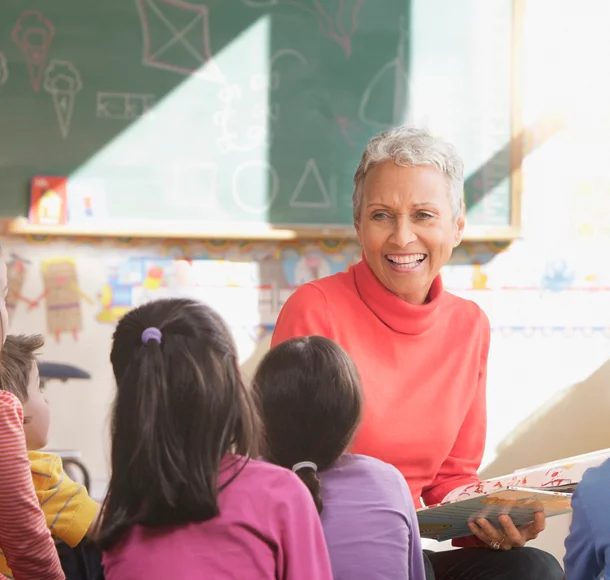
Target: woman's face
<point>406,227</point>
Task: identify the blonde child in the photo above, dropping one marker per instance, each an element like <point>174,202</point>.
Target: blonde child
<point>70,513</point>
<point>185,500</point>
<point>25,539</point>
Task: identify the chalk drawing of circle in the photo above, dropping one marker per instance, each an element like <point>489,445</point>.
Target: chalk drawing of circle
<point>260,3</point>
<point>255,186</point>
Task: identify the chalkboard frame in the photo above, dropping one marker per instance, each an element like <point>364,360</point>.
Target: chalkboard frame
<point>159,230</point>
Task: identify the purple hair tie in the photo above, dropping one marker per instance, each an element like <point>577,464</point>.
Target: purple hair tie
<point>151,333</point>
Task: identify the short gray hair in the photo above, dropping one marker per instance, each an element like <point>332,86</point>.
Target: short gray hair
<point>410,147</point>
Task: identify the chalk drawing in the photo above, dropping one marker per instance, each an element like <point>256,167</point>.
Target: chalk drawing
<point>125,106</point>
<point>340,27</point>
<point>165,36</point>
<point>250,109</point>
<point>258,178</point>
<point>392,81</point>
<point>33,34</point>
<point>308,193</point>
<point>3,69</point>
<point>348,129</point>
<point>62,81</point>
<point>194,185</point>
<point>261,3</point>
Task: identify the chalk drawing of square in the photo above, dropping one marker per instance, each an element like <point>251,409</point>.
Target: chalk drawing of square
<point>125,106</point>
<point>86,200</point>
<point>176,37</point>
<point>194,185</point>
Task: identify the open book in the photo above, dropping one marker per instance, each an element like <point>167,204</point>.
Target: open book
<point>449,520</point>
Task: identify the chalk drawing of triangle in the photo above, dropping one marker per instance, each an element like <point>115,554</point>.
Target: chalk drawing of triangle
<point>310,190</point>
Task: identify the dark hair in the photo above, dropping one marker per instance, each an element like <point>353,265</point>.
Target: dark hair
<point>310,401</point>
<point>18,354</point>
<point>180,407</point>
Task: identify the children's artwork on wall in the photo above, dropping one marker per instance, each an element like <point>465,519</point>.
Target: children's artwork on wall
<point>249,282</point>
<point>16,271</point>
<point>62,296</point>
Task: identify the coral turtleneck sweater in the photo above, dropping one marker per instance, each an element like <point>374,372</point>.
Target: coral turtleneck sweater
<point>423,370</point>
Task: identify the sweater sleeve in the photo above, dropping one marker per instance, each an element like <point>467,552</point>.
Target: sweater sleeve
<point>305,313</point>
<point>302,551</point>
<point>24,536</point>
<point>461,465</point>
<point>581,560</point>
<point>66,504</point>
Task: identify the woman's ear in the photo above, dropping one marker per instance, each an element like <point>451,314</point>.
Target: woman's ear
<point>459,227</point>
<point>358,232</point>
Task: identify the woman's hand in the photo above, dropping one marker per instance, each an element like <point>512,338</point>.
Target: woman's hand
<point>509,536</point>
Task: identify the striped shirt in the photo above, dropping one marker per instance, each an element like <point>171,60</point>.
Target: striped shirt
<point>24,536</point>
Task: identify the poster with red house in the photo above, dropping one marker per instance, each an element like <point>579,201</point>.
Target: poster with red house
<point>48,202</point>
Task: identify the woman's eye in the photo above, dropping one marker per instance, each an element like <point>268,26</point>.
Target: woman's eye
<point>423,215</point>
<point>380,216</point>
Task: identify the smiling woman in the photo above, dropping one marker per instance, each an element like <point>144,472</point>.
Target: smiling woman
<point>421,352</point>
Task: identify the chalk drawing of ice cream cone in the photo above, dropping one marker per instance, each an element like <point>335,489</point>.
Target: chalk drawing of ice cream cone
<point>33,34</point>
<point>62,81</point>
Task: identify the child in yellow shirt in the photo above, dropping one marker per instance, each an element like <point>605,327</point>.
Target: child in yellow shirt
<point>70,513</point>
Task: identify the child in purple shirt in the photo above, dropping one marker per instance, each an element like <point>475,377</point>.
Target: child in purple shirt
<point>185,501</point>
<point>310,400</point>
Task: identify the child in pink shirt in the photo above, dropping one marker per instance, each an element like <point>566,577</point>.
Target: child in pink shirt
<point>185,501</point>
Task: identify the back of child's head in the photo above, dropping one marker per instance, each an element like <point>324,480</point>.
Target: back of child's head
<point>18,355</point>
<point>310,402</point>
<point>180,407</point>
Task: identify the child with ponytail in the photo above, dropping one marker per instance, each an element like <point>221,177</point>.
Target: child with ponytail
<point>185,501</point>
<point>310,402</point>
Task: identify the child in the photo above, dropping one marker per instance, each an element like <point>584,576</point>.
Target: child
<point>184,499</point>
<point>70,513</point>
<point>588,544</point>
<point>25,539</point>
<point>310,400</point>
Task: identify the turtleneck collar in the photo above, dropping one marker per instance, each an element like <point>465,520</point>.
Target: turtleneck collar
<point>396,313</point>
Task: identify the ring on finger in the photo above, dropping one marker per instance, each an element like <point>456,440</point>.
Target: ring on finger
<point>497,545</point>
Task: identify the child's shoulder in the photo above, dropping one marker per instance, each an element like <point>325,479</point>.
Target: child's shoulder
<point>277,484</point>
<point>9,401</point>
<point>367,465</point>
<point>259,470</point>
<point>596,477</point>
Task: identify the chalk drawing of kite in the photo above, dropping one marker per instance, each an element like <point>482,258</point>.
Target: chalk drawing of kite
<point>176,38</point>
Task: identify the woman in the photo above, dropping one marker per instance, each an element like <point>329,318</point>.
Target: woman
<point>421,352</point>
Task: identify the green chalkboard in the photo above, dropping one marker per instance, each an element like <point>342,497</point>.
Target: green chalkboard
<point>246,111</point>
